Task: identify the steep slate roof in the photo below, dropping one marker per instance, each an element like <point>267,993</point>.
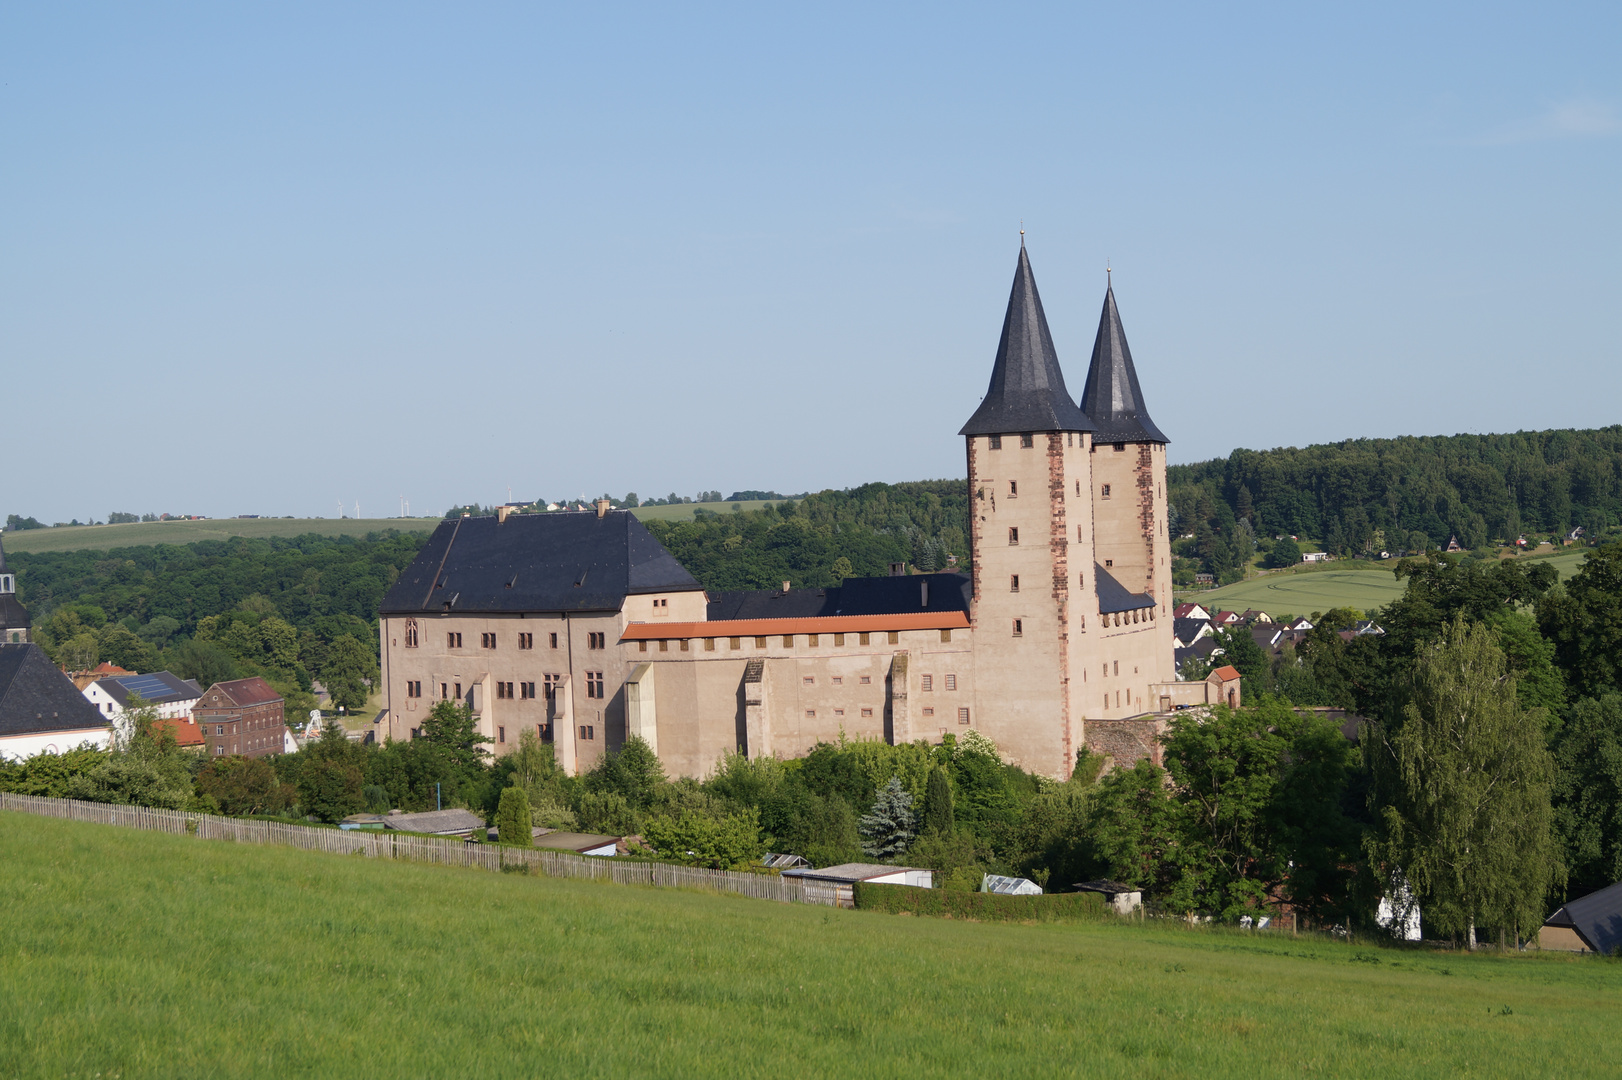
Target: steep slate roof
<point>1187,631</point>
<point>1597,918</point>
<point>1027,390</point>
<point>901,595</point>
<point>170,687</point>
<point>35,696</point>
<point>1113,596</point>
<point>240,693</point>
<point>562,561</point>
<point>1111,396</point>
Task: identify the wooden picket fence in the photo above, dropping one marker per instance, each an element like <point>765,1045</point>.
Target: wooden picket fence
<point>446,851</point>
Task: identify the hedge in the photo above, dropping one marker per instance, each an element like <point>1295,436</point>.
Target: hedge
<point>985,907</point>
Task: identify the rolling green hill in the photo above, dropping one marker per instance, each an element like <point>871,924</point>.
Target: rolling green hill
<point>126,953</point>
<point>140,534</point>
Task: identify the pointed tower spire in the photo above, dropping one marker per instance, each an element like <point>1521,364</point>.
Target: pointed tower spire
<point>1027,390</point>
<point>1111,396</point>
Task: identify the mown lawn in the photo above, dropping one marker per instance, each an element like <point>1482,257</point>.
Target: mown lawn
<point>129,954</point>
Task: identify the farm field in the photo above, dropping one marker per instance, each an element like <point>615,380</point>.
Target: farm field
<point>140,534</point>
<point>1364,586</point>
<point>129,954</point>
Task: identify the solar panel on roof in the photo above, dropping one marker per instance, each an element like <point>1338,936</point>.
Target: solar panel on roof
<point>150,687</point>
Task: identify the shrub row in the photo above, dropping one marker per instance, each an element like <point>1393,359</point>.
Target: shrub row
<point>985,907</point>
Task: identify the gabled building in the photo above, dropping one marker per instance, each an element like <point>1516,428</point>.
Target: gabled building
<point>41,711</point>
<point>172,697</point>
<point>241,717</point>
<point>582,628</point>
<point>1190,611</point>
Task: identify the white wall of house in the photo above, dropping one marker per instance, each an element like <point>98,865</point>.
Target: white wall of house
<point>113,712</point>
<point>21,747</point>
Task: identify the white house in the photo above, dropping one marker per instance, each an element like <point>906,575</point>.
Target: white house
<point>1314,556</point>
<point>41,711</point>
<point>171,695</point>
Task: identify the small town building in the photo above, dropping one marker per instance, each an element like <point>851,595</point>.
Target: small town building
<point>170,695</point>
<point>41,711</point>
<point>242,717</point>
<point>1124,899</point>
<point>1188,610</point>
<point>104,670</point>
<point>1592,923</point>
<point>836,885</point>
<point>1315,556</point>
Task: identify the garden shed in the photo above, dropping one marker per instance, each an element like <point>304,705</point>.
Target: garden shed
<point>836,885</point>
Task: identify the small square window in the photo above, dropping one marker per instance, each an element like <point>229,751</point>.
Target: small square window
<point>760,643</point>
<point>1109,562</point>
<point>664,646</point>
<point>994,442</point>
<point>867,712</point>
<point>808,680</point>
<point>788,641</point>
<point>642,646</point>
<point>1120,447</point>
<point>810,714</point>
<point>1026,441</point>
<point>685,645</point>
<point>737,643</point>
<point>1105,492</point>
<point>709,644</point>
<point>929,712</point>
<point>867,680</point>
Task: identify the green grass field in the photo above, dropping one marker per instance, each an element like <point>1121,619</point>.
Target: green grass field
<point>131,954</point>
<point>139,534</point>
<point>1360,585</point>
<point>684,512</point>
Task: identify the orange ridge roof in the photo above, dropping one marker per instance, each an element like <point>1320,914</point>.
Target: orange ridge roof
<point>818,624</point>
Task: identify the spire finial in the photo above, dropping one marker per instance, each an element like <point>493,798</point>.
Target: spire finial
<point>1109,282</point>
<point>1021,232</point>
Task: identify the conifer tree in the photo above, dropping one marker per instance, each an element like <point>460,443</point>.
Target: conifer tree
<point>938,819</point>
<point>512,818</point>
<point>889,828</point>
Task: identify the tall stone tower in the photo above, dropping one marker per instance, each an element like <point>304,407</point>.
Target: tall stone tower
<point>1132,550</point>
<point>1031,539</point>
<point>15,626</point>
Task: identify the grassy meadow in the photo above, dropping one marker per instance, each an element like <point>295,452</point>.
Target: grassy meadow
<point>1361,585</point>
<point>129,954</point>
<point>140,534</point>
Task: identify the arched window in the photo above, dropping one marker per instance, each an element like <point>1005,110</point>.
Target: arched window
<point>411,633</point>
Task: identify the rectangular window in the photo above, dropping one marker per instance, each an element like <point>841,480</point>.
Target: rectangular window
<point>736,643</point>
<point>550,684</point>
<point>895,637</point>
<point>760,643</point>
<point>862,639</point>
<point>526,641</point>
<point>808,680</point>
<point>788,641</point>
<point>501,734</point>
<point>596,639</point>
<point>444,692</point>
<point>501,690</point>
<point>1013,537</point>
<point>951,682</point>
<point>543,732</point>
<point>685,645</point>
<point>1120,447</point>
<point>929,712</point>
<point>1105,492</point>
<point>709,644</point>
<point>1081,581</point>
<point>219,729</point>
<point>1078,489</point>
<point>810,714</point>
<point>1117,667</point>
<point>926,683</point>
<point>552,640</point>
<point>453,640</point>
<point>526,690</point>
<point>811,640</point>
<point>1026,441</point>
<point>1080,538</point>
<point>1109,562</point>
<point>963,716</point>
<point>867,712</point>
<point>838,680</point>
<point>458,691</point>
<point>867,680</point>
<point>487,641</point>
<point>1013,489</point>
<point>1013,583</point>
<point>413,688</point>
<point>946,635</point>
<point>839,712</point>
<point>587,734</point>
<point>1019,627</point>
<point>642,646</point>
<point>594,684</point>
<point>664,646</point>
<point>994,442</point>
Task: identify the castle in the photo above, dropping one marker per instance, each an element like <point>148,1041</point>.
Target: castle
<point>582,628</point>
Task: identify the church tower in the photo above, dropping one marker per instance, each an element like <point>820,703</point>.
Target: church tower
<point>1132,550</point>
<point>14,621</point>
<point>1031,541</point>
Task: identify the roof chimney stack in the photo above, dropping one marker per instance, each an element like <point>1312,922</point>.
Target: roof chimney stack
<point>602,507</point>
<point>501,514</point>
<point>785,586</point>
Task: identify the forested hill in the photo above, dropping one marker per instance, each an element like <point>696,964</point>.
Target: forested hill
<point>824,537</point>
<point>1412,491</point>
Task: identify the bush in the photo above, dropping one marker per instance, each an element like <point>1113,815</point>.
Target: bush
<point>984,907</point>
<point>512,818</point>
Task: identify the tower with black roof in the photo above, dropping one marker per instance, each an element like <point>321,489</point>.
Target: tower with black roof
<point>1031,540</point>
<point>15,625</point>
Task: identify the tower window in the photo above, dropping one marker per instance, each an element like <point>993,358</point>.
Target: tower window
<point>594,684</point>
<point>1013,489</point>
<point>1013,583</point>
<point>1019,627</point>
<point>926,683</point>
<point>526,641</point>
<point>1109,562</point>
<point>1078,488</point>
<point>963,716</point>
<point>597,639</point>
<point>994,442</point>
<point>1013,537</point>
<point>1026,441</point>
<point>1105,492</point>
<point>951,682</point>
<point>411,633</point>
<point>453,640</point>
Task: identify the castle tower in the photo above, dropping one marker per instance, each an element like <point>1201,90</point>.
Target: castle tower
<point>1131,546</point>
<point>14,621</point>
<point>1030,535</point>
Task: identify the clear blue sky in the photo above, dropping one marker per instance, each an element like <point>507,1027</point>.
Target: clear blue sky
<point>255,259</point>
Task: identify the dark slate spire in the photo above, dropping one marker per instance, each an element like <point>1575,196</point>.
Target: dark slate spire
<point>1027,388</point>
<point>1111,396</point>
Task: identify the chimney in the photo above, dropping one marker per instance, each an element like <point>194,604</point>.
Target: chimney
<point>923,588</point>
<point>501,514</point>
<point>602,507</point>
<point>898,569</point>
<point>785,586</point>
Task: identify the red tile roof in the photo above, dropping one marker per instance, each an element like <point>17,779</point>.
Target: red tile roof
<point>243,692</point>
<point>1226,673</point>
<point>824,624</point>
<point>186,732</point>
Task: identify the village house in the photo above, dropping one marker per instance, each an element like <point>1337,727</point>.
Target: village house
<point>582,628</point>
<point>41,711</point>
<point>170,696</point>
<point>241,717</point>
